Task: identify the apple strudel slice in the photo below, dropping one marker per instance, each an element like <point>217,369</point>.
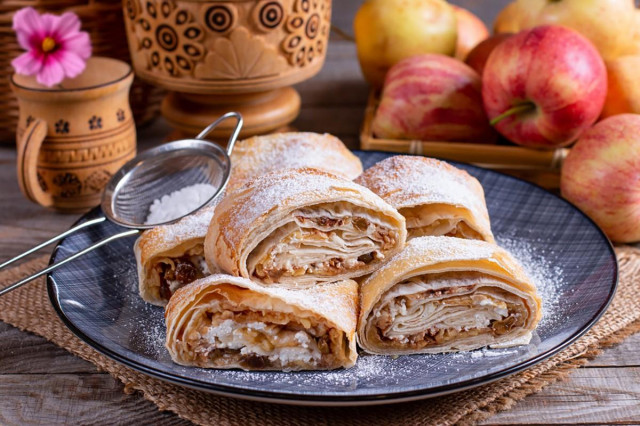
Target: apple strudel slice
<point>303,226</point>
<point>259,155</point>
<point>443,294</point>
<point>171,256</point>
<point>435,197</point>
<point>230,322</point>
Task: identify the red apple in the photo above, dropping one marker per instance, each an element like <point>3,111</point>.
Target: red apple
<point>432,97</point>
<point>471,31</point>
<point>544,87</point>
<point>477,58</point>
<point>601,174</point>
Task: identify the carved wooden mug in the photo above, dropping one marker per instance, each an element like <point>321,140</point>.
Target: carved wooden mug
<point>72,137</point>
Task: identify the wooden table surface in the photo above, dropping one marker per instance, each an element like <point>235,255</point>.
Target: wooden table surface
<point>41,383</point>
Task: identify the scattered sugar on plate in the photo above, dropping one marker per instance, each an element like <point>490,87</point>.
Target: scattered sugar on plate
<point>547,277</point>
<point>179,203</point>
<point>396,371</point>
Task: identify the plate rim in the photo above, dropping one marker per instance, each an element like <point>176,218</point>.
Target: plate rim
<point>291,398</point>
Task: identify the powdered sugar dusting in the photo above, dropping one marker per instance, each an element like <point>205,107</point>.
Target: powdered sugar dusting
<point>330,299</point>
<point>407,181</point>
<point>258,155</point>
<point>548,278</point>
<point>440,249</point>
<point>272,190</point>
<point>238,214</point>
<point>154,335</point>
<point>335,301</point>
<point>192,226</point>
<point>179,203</point>
<point>262,195</point>
<point>371,369</point>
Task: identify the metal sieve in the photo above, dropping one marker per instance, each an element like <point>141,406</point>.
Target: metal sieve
<point>149,176</point>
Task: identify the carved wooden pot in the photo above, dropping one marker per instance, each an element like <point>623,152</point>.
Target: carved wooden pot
<point>217,56</point>
<point>71,138</point>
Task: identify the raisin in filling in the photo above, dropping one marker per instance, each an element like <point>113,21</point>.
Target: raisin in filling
<point>185,272</point>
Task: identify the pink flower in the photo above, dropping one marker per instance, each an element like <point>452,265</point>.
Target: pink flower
<point>56,48</point>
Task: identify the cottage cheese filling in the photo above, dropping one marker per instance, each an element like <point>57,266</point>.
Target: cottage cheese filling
<point>270,340</point>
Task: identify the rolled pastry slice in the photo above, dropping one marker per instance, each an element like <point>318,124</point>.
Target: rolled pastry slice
<point>303,226</point>
<point>259,155</point>
<point>443,294</point>
<point>230,322</point>
<point>434,197</point>
<point>171,256</point>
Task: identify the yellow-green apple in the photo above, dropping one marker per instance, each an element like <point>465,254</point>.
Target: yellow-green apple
<point>634,40</point>
<point>601,174</point>
<point>471,31</point>
<point>478,57</point>
<point>543,87</point>
<point>607,23</point>
<point>387,31</point>
<point>508,20</point>
<point>432,97</point>
<point>623,95</point>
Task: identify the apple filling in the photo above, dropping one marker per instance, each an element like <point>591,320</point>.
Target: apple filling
<point>176,272</point>
<point>438,309</point>
<point>264,341</point>
<point>428,221</point>
<point>326,241</point>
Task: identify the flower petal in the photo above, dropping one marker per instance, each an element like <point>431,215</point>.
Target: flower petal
<point>27,63</point>
<point>27,20</point>
<point>79,43</point>
<point>51,73</point>
<point>65,26</point>
<point>25,39</point>
<point>49,21</point>
<point>72,64</point>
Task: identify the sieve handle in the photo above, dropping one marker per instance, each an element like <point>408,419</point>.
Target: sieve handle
<point>53,240</point>
<point>234,135</point>
<point>50,268</point>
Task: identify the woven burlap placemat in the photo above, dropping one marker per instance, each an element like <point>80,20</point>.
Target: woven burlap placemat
<point>29,309</point>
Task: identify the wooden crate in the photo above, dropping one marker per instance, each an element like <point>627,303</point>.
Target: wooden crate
<point>537,166</point>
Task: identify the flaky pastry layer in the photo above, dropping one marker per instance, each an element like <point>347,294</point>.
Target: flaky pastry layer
<point>230,322</point>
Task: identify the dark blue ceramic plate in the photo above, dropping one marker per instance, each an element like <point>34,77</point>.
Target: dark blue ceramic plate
<point>571,260</point>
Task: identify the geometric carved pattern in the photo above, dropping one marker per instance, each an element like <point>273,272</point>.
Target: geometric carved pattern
<point>41,182</point>
<point>309,28</point>
<point>58,155</point>
<point>240,56</point>
<point>95,123</point>
<point>69,184</point>
<point>132,9</point>
<point>62,127</point>
<point>97,180</point>
<point>170,38</point>
<point>267,15</point>
<point>221,18</point>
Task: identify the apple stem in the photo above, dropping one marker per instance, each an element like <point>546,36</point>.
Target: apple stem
<point>518,109</point>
